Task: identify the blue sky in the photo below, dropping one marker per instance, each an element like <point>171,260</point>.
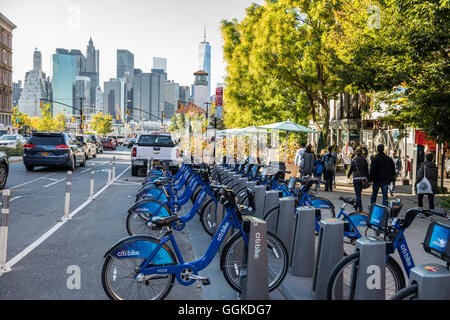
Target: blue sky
<point>149,28</point>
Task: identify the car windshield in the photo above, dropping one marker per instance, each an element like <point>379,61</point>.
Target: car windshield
<point>156,140</point>
<point>8,138</point>
<point>47,140</point>
<point>81,139</point>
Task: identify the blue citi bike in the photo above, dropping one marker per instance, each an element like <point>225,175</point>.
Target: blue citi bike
<point>384,223</point>
<point>142,267</point>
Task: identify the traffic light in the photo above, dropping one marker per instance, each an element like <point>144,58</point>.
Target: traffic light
<point>73,119</point>
<point>128,112</point>
<point>117,117</point>
<point>41,105</point>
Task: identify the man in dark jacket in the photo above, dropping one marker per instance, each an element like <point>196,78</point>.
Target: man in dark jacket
<point>431,172</point>
<point>382,173</point>
<point>360,170</point>
<point>329,163</point>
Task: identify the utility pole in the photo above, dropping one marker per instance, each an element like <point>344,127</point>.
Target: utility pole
<point>81,116</point>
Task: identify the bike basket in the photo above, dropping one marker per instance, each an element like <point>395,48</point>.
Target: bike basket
<point>436,241</point>
<point>378,217</point>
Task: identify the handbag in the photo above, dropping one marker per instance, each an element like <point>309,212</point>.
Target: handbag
<point>364,181</point>
<point>424,185</point>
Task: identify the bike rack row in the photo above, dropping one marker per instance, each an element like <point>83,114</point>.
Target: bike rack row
<point>310,264</point>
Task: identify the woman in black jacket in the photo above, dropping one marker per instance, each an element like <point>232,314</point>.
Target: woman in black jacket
<point>360,170</point>
<point>431,172</point>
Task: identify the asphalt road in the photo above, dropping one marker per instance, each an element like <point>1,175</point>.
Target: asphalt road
<point>45,254</point>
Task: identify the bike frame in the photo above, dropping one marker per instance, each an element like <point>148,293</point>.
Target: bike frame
<point>230,220</point>
<point>401,246</point>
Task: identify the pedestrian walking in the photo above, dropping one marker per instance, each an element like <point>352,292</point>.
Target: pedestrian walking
<point>426,183</point>
<point>360,170</point>
<point>364,150</point>
<point>329,164</point>
<point>299,158</point>
<point>318,169</point>
<point>346,154</point>
<point>308,161</point>
<point>398,169</point>
<point>381,174</point>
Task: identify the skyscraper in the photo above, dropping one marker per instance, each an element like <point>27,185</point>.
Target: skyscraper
<point>125,64</point>
<point>205,59</point>
<point>66,66</point>
<point>34,89</point>
<point>160,63</point>
<point>201,93</point>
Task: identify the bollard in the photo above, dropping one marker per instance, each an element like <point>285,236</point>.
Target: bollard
<point>4,230</point>
<point>255,280</point>
<point>303,243</point>
<point>371,277</point>
<point>260,196</point>
<point>330,250</point>
<point>285,222</point>
<point>109,171</point>
<point>272,200</point>
<point>67,200</point>
<point>114,168</point>
<point>433,282</point>
<point>91,191</point>
<point>148,167</point>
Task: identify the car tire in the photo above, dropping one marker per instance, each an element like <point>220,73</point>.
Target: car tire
<point>29,167</point>
<point>3,175</point>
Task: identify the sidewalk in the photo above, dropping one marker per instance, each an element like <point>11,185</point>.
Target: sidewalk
<point>15,159</point>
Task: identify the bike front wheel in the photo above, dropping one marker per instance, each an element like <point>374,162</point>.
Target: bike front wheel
<point>120,279</point>
<point>234,266</point>
<point>342,280</point>
<point>408,293</point>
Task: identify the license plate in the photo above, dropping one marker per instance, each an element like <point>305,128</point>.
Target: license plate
<point>45,154</point>
<point>156,162</point>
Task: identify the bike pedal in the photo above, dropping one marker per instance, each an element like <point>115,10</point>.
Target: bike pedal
<point>206,282</point>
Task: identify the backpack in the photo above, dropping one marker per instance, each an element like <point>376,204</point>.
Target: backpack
<point>329,162</point>
<point>319,168</point>
<point>424,186</point>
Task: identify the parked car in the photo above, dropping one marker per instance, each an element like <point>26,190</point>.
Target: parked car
<point>109,143</point>
<point>89,147</point>
<point>116,140</point>
<point>53,149</point>
<point>11,140</point>
<point>120,140</point>
<point>98,143</point>
<point>4,169</point>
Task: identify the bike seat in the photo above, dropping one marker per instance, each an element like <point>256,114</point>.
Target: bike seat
<point>349,200</point>
<point>164,221</point>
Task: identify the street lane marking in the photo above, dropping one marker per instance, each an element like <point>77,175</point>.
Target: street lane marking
<point>12,199</point>
<point>58,225</point>
<point>31,181</point>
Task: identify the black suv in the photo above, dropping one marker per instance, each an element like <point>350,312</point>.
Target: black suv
<point>53,149</point>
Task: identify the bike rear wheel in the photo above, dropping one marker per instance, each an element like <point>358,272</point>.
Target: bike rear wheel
<point>234,267</point>
<point>342,281</point>
<point>119,279</point>
<point>208,217</point>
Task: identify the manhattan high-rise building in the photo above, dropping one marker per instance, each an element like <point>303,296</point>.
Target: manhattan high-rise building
<point>160,63</point>
<point>35,88</point>
<point>205,59</point>
<point>6,29</point>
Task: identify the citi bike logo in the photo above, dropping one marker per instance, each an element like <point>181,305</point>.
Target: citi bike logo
<point>257,246</point>
<point>374,277</point>
<point>406,254</point>
<point>127,253</point>
<point>222,231</point>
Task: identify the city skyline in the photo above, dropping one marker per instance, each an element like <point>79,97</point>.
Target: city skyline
<point>175,33</point>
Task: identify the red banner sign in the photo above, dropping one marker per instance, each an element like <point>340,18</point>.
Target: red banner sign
<point>423,140</point>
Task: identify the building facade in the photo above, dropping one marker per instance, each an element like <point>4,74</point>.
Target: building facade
<point>114,98</point>
<point>35,88</point>
<point>160,63</point>
<point>201,90</point>
<point>6,29</point>
<point>17,91</point>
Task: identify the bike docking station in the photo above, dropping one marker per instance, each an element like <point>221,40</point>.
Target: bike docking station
<point>255,277</point>
<point>433,280</point>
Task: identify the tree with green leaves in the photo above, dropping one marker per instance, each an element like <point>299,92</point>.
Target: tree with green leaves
<point>102,124</point>
<point>379,45</point>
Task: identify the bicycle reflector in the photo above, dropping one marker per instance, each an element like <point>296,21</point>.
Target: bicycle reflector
<point>378,217</point>
<point>436,241</point>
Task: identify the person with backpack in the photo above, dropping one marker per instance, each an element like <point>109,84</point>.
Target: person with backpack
<point>426,183</point>
<point>329,164</point>
<point>299,158</point>
<point>318,169</point>
<point>381,173</point>
<point>360,170</point>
